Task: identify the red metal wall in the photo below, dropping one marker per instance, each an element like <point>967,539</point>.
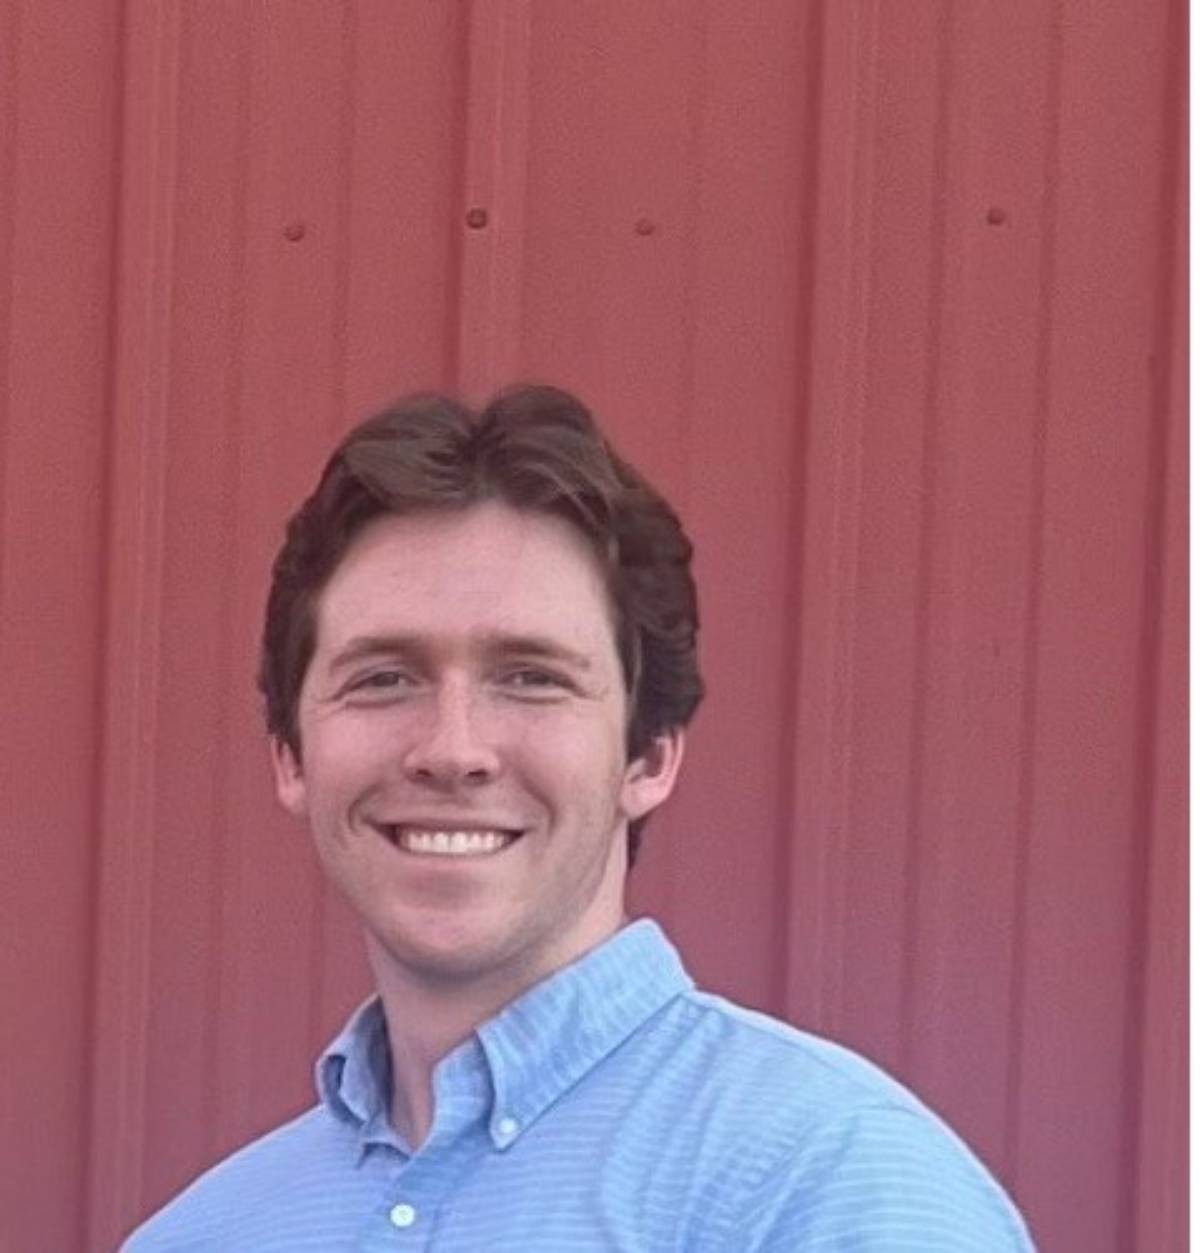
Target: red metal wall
<point>888,296</point>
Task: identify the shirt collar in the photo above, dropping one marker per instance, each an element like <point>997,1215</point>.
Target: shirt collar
<point>545,1041</point>
<point>536,1049</point>
<point>353,1075</point>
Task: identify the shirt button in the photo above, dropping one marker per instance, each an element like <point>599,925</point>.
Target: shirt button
<point>507,1128</point>
<point>403,1215</point>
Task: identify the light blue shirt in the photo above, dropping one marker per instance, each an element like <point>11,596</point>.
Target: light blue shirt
<point>611,1107</point>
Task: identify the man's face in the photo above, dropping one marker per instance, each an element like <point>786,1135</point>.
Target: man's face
<point>462,732</point>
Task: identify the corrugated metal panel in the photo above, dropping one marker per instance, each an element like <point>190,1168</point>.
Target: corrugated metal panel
<point>887,296</point>
<point>56,193</point>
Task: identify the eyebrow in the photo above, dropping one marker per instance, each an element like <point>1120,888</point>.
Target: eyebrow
<point>500,644</point>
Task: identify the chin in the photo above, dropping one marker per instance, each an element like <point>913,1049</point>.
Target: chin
<point>450,952</point>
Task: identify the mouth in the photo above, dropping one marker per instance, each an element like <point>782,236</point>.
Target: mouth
<point>450,841</point>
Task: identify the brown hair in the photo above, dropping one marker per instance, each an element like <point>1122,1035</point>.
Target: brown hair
<point>533,447</point>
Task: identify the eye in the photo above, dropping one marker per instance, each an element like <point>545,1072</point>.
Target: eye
<point>380,683</point>
<point>532,680</point>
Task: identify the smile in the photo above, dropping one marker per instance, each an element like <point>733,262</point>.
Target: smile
<point>449,842</point>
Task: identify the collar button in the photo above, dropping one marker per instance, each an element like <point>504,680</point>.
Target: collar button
<point>402,1216</point>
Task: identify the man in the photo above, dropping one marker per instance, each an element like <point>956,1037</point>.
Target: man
<point>479,660</point>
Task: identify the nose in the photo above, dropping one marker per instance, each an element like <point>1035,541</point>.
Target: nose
<point>448,748</point>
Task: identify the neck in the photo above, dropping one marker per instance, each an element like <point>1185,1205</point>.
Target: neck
<point>426,1020</point>
<point>428,1017</point>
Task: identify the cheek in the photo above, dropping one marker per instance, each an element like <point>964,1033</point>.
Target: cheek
<point>339,759</point>
<point>567,743</point>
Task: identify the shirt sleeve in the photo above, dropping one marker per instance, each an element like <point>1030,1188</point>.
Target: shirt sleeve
<point>880,1180</point>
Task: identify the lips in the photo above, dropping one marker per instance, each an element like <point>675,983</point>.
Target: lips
<point>449,840</point>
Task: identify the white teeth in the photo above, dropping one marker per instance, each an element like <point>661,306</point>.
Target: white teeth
<point>454,843</point>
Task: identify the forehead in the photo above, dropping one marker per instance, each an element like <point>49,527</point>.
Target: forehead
<point>486,569</point>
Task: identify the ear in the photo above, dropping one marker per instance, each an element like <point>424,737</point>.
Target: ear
<point>290,788</point>
<point>650,778</point>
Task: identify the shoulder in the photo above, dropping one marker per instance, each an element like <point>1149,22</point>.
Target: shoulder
<point>830,1148</point>
<point>249,1182</point>
<point>806,1074</point>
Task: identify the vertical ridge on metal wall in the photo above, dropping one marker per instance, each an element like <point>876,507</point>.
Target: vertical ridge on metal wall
<point>830,500</point>
<point>494,167</point>
<point>10,49</point>
<point>1047,283</point>
<point>231,397</point>
<point>225,286</point>
<point>133,615</point>
<point>56,147</point>
<point>921,823</point>
<point>793,855</point>
<point>1156,1030</point>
